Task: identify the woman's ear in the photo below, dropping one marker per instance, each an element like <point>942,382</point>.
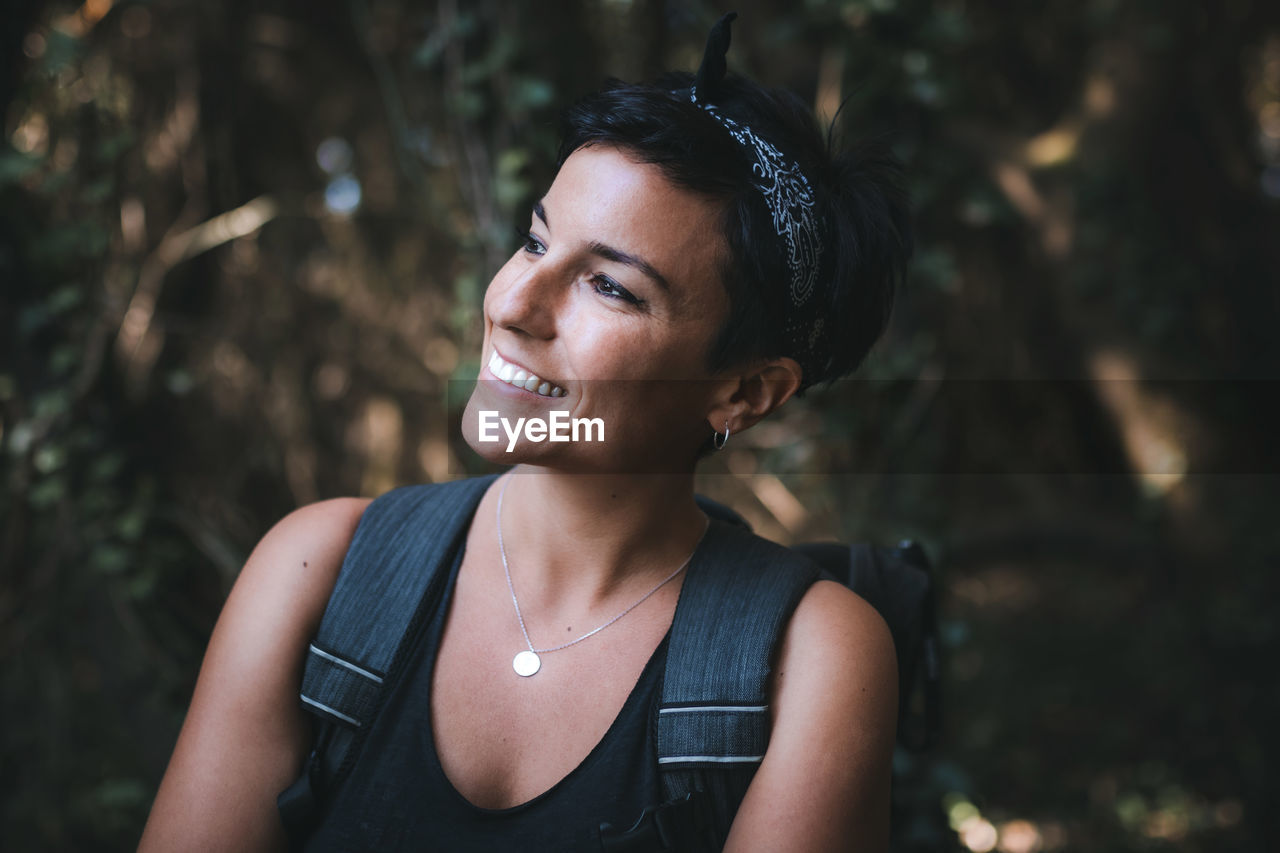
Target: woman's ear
<point>750,394</point>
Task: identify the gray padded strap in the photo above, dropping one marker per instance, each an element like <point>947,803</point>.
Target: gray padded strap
<point>400,547</point>
<point>739,594</point>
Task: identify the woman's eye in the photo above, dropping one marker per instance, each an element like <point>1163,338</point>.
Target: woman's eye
<point>608,287</point>
<point>530,243</point>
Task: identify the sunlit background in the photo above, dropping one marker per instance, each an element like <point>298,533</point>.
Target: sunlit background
<point>243,246</point>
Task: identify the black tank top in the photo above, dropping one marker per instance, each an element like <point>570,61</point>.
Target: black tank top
<point>397,796</point>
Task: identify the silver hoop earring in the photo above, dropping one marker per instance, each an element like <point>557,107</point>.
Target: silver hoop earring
<point>719,442</point>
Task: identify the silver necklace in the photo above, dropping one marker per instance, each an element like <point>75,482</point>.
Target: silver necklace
<point>527,662</point>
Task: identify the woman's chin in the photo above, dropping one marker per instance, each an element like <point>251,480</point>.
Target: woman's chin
<point>488,427</point>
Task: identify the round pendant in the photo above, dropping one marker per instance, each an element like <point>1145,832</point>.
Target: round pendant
<point>526,663</point>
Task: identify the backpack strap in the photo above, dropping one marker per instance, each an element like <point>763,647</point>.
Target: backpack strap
<point>392,573</point>
<point>713,719</point>
<point>713,723</point>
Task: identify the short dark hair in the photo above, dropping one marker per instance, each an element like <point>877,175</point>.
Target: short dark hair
<point>860,199</point>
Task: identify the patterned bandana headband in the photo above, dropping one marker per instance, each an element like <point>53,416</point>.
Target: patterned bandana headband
<point>788,196</point>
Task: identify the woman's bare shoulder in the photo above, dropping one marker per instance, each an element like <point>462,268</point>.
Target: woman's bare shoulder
<point>310,541</point>
<point>830,615</point>
<point>321,526</point>
<point>834,701</point>
<point>244,737</point>
<point>837,648</point>
<point>291,573</point>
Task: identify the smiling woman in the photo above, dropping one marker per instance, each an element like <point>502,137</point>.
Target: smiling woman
<point>617,288</point>
<point>700,257</point>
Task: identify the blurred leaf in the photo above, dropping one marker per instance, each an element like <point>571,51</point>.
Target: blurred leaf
<point>501,50</point>
<point>98,191</point>
<point>65,242</point>
<point>142,586</point>
<point>935,267</point>
<point>65,298</point>
<point>52,403</point>
<point>468,103</point>
<point>110,558</point>
<point>106,466</point>
<point>122,794</point>
<point>510,187</point>
<point>64,359</point>
<point>14,165</point>
<point>528,93</point>
<point>131,524</point>
<point>32,318</point>
<point>49,458</point>
<point>180,382</point>
<point>61,50</point>
<point>114,147</point>
<point>46,492</point>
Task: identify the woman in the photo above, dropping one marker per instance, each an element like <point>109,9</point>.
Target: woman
<point>699,258</point>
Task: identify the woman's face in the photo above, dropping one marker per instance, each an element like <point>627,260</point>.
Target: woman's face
<point>612,303</point>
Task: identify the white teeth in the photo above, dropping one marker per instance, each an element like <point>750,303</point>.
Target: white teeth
<point>521,378</point>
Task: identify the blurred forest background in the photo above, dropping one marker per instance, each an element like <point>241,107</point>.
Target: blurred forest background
<point>243,246</point>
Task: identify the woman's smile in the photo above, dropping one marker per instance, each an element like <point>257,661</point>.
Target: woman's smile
<point>513,374</point>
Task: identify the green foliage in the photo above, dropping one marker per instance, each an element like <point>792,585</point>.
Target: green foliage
<point>84,540</point>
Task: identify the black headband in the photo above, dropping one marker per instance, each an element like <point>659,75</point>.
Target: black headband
<point>787,194</point>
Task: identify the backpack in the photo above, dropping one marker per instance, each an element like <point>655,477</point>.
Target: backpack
<point>712,721</point>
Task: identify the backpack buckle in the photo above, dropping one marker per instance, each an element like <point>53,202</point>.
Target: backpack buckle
<point>677,824</point>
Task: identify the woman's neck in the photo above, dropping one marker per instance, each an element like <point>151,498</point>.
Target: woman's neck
<point>589,538</point>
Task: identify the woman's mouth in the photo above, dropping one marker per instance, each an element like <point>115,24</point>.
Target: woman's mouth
<point>519,377</point>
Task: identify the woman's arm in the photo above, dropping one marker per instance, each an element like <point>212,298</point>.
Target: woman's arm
<point>244,738</point>
<point>824,782</point>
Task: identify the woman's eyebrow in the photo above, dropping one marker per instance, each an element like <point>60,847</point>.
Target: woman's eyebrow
<point>618,256</point>
<point>611,254</point>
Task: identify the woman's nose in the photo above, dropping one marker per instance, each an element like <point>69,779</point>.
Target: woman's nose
<point>527,298</point>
